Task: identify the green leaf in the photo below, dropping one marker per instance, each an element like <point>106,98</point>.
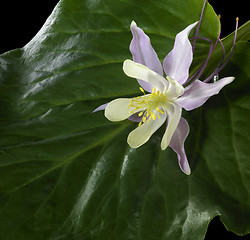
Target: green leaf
<point>69,174</point>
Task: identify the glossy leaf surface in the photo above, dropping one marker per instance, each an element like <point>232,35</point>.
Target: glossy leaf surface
<point>69,174</point>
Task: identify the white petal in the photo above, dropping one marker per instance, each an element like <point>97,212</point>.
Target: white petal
<point>199,92</point>
<point>174,89</point>
<point>117,110</point>
<point>177,144</point>
<point>137,70</point>
<point>176,64</point>
<point>174,115</point>
<point>141,134</point>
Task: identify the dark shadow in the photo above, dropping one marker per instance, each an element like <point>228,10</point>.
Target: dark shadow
<point>216,230</point>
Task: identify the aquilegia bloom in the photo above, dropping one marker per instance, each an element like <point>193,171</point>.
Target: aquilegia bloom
<point>166,96</point>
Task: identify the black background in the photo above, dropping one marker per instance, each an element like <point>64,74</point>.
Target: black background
<point>21,20</point>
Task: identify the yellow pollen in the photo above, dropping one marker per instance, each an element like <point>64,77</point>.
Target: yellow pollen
<point>160,111</point>
<point>153,116</point>
<point>142,90</point>
<point>149,106</point>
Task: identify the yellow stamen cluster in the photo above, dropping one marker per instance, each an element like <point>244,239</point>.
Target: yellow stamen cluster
<point>148,106</point>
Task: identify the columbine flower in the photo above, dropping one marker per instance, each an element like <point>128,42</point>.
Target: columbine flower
<point>166,96</point>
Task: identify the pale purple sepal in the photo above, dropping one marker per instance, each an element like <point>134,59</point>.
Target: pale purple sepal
<point>143,52</point>
<point>100,108</point>
<point>198,92</point>
<point>176,64</point>
<point>135,118</point>
<point>177,144</point>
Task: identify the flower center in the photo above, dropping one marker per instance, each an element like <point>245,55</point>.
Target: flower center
<point>148,106</point>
